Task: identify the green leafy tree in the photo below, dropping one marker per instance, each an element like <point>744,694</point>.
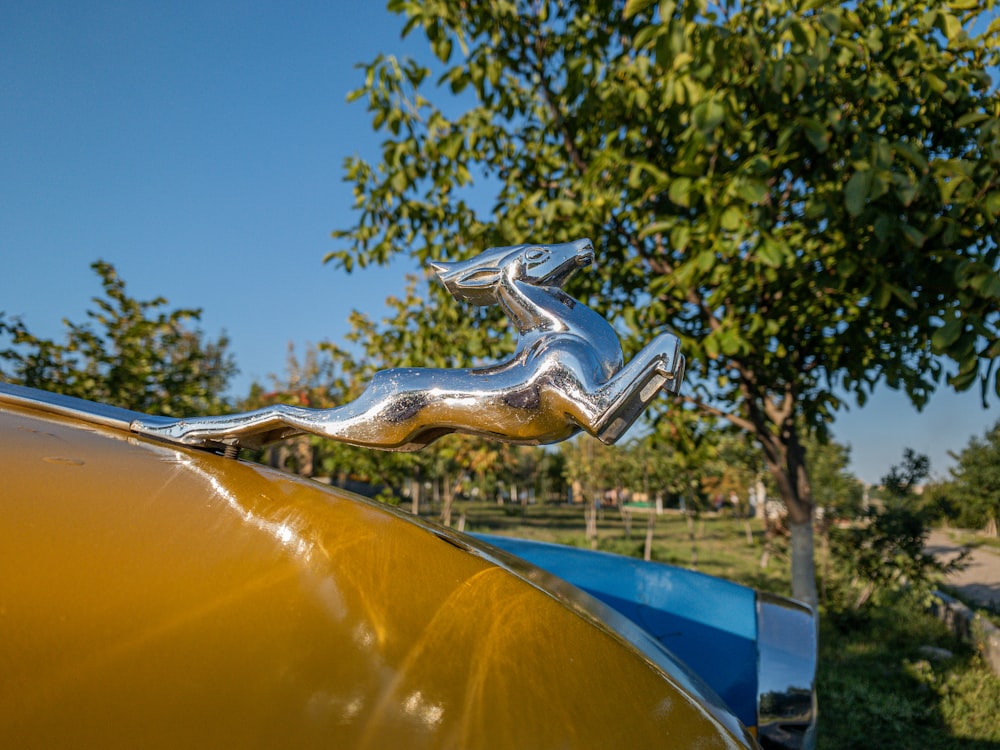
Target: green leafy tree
<point>733,470</point>
<point>975,484</point>
<point>591,469</point>
<point>551,477</point>
<point>317,380</point>
<point>835,489</point>
<point>903,479</point>
<point>884,556</point>
<point>807,193</point>
<point>130,353</point>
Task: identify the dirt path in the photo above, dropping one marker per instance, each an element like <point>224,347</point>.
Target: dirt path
<point>980,581</point>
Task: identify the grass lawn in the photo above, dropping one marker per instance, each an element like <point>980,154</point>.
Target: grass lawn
<point>879,686</point>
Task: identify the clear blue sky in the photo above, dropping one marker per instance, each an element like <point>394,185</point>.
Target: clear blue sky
<point>198,147</point>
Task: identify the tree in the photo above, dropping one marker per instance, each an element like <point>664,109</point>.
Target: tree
<point>317,379</point>
<point>806,193</point>
<point>835,489</point>
<point>975,484</point>
<point>734,469</point>
<point>903,479</point>
<point>133,354</point>
<point>591,469</point>
<point>886,555</point>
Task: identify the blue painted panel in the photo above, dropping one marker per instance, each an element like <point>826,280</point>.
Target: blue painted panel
<point>708,623</point>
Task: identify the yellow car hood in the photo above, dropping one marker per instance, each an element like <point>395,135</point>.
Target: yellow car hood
<point>159,596</point>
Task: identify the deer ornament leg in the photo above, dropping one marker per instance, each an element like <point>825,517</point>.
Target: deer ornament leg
<point>659,366</point>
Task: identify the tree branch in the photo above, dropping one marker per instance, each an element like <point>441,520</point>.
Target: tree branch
<point>549,96</point>
<point>735,420</point>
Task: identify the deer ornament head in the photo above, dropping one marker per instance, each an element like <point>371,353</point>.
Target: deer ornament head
<point>478,279</point>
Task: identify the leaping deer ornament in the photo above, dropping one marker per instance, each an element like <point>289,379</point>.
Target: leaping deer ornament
<point>566,374</point>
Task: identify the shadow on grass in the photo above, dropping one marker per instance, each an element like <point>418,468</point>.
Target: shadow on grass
<point>882,684</point>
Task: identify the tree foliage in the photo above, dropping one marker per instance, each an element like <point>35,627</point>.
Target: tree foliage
<point>130,353</point>
<point>806,192</point>
<point>974,490</point>
<point>835,488</point>
<point>903,479</point>
<point>884,554</point>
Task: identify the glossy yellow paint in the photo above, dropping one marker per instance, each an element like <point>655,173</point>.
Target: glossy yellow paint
<point>156,596</point>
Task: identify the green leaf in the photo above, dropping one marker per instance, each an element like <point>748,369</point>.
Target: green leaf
<point>655,228</point>
<point>711,344</point>
<point>986,284</point>
<point>680,235</point>
<point>913,235</point>
<point>645,36</point>
<point>856,192</point>
<point>948,25</point>
<point>732,219</point>
<point>708,114</point>
<point>947,335</point>
<point>680,191</point>
<point>752,191</point>
<point>970,119</point>
<point>948,184</point>
<point>399,182</point>
<point>911,154</point>
<point>817,136</point>
<point>991,203</point>
<point>771,253</point>
<point>633,7</point>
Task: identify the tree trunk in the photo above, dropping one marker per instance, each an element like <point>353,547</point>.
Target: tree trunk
<point>415,493</point>
<point>785,459</point>
<point>647,553</point>
<point>590,518</point>
<point>694,540</point>
<point>803,563</point>
<point>449,496</point>
<point>760,497</point>
<point>303,452</point>
<point>793,484</point>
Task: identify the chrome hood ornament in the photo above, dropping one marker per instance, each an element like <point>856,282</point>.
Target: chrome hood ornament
<point>566,374</point>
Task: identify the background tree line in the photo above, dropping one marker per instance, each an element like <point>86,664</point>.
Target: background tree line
<point>806,193</point>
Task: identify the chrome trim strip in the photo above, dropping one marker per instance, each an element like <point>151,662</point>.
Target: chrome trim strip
<point>787,653</point>
<point>69,406</point>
